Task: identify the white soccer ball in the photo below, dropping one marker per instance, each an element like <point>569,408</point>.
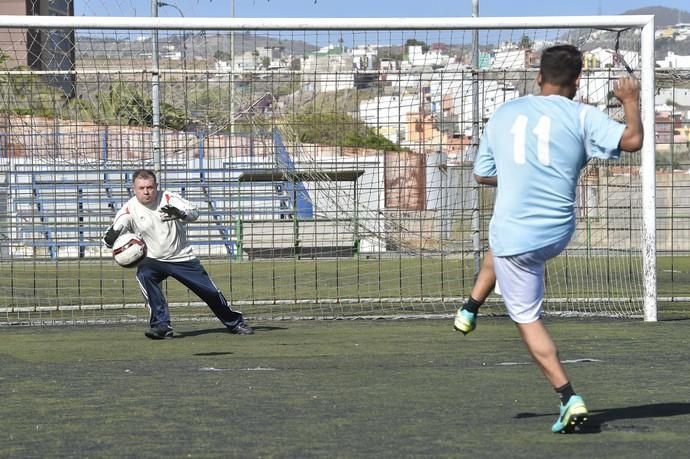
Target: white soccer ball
<point>128,250</point>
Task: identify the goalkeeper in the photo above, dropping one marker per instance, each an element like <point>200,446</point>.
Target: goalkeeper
<point>536,169</point>
<point>159,217</point>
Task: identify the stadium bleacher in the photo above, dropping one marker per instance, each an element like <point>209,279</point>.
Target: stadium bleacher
<point>62,212</point>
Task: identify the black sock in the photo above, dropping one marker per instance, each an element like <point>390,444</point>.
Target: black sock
<point>472,305</point>
<point>565,392</point>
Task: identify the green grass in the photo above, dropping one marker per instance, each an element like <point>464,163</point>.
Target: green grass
<point>339,389</point>
<point>98,291</point>
<point>95,282</point>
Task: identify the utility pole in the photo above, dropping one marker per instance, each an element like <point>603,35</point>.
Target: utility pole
<point>232,75</point>
<point>474,142</point>
<point>184,56</point>
<point>155,98</point>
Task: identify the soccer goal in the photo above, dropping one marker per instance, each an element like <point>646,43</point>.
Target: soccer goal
<point>331,160</point>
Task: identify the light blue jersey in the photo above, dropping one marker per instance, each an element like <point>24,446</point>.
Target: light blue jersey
<point>537,146</point>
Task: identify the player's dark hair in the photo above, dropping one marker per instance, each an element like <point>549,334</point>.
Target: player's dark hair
<point>145,174</point>
<point>561,65</point>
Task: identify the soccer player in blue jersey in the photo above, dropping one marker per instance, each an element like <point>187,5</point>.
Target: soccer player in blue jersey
<point>533,149</point>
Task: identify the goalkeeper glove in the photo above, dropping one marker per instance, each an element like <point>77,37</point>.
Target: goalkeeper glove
<point>110,237</point>
<point>169,212</point>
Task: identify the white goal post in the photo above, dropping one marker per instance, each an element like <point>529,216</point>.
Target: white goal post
<point>646,64</point>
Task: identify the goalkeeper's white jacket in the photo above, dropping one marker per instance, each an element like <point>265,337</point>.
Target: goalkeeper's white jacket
<point>165,240</point>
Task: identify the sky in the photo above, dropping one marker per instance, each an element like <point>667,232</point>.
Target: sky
<point>368,8</point>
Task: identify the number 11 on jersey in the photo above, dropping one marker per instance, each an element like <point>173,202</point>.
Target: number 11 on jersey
<point>541,131</point>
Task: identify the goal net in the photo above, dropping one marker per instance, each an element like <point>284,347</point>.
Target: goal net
<point>331,161</point>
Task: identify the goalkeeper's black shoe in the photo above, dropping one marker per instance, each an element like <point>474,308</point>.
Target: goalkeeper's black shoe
<point>159,332</point>
<point>242,329</point>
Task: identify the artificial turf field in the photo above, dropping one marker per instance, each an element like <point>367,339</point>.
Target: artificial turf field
<point>355,388</point>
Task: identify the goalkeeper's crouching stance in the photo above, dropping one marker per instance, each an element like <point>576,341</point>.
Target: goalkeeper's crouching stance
<point>159,218</point>
<point>536,170</point>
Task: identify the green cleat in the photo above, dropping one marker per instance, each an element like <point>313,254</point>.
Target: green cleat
<point>465,321</point>
<point>573,414</point>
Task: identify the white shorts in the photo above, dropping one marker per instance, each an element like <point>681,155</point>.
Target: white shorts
<point>522,281</point>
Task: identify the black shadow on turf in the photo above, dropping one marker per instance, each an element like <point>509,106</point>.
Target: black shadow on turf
<point>207,331</point>
<point>598,419</point>
<point>211,354</point>
<point>267,328</point>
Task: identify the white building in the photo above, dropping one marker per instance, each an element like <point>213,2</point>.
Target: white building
<point>603,58</point>
<point>329,62</point>
<point>454,97</point>
<point>595,87</point>
<point>388,114</point>
<point>271,52</point>
<point>247,61</point>
<point>335,81</point>
<point>418,58</point>
<point>409,81</point>
<point>446,97</point>
<point>679,96</point>
<point>365,57</point>
<point>674,61</point>
<point>388,65</point>
<point>510,59</point>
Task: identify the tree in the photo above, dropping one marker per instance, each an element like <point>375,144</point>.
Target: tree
<point>525,42</point>
<point>415,42</point>
<point>338,129</point>
<point>27,94</point>
<point>221,55</point>
<point>390,53</point>
<point>123,103</point>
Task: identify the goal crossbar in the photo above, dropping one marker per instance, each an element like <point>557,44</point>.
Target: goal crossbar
<point>189,23</point>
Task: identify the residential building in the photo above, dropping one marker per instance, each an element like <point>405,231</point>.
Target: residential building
<point>39,49</point>
<point>365,57</point>
<point>674,61</point>
<point>388,114</point>
<point>674,95</point>
<point>418,58</point>
<point>329,59</point>
<point>512,59</point>
<point>603,58</point>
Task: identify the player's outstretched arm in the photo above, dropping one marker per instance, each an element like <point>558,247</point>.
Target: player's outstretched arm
<point>169,212</point>
<point>178,208</point>
<point>491,180</point>
<point>627,90</point>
